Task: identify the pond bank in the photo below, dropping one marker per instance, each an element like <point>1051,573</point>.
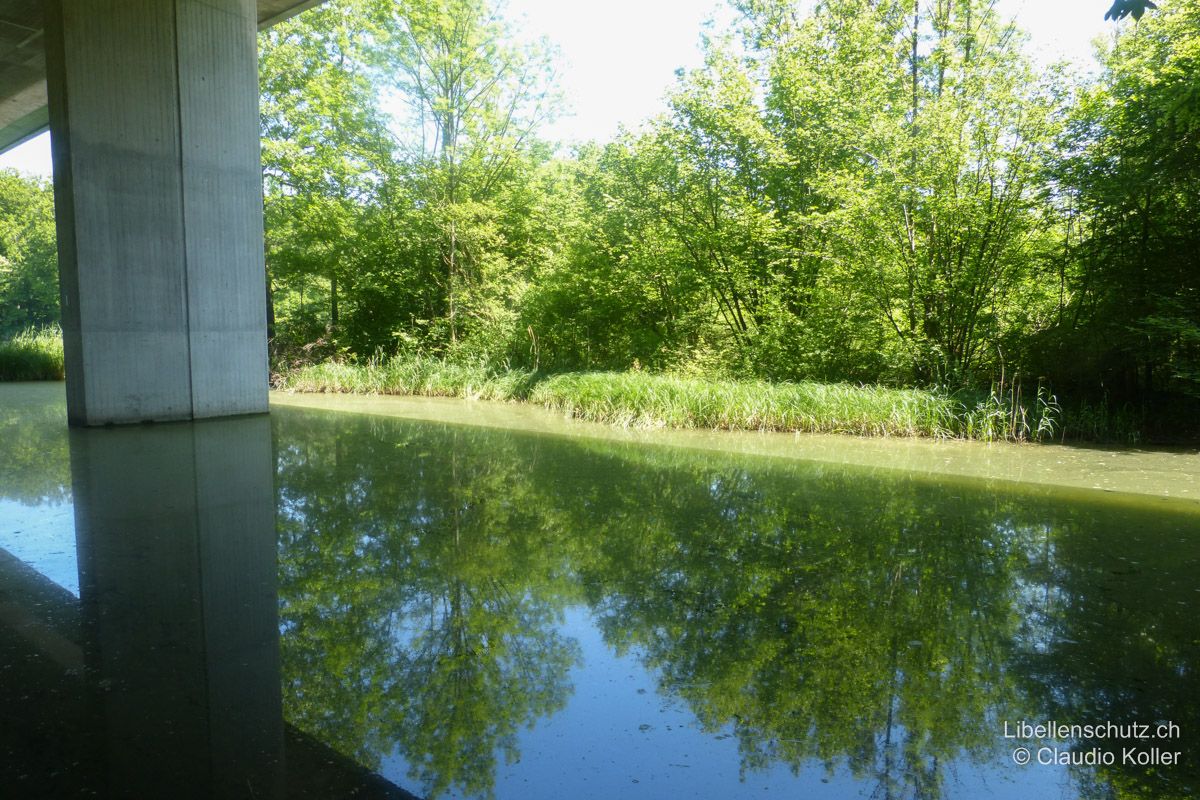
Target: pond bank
<point>643,399</point>
<point>1128,474</point>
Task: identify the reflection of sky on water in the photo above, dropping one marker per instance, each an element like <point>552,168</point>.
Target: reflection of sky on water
<point>623,738</point>
<point>619,736</point>
<point>43,536</point>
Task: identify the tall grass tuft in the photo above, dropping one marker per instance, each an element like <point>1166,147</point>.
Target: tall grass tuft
<point>1104,421</point>
<point>1003,415</point>
<point>416,375</point>
<point>678,402</point>
<point>32,355</point>
<point>656,400</point>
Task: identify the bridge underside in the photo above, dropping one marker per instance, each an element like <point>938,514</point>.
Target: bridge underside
<point>153,111</point>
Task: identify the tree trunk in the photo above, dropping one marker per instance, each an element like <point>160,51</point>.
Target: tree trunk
<point>333,302</point>
<point>451,275</point>
<point>270,312</point>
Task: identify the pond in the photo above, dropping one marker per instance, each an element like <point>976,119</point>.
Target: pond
<point>491,612</point>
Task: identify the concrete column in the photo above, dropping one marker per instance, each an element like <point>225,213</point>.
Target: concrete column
<point>154,127</point>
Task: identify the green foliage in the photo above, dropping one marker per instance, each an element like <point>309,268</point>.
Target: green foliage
<point>325,146</point>
<point>28,254</point>
<point>1101,421</point>
<point>1004,415</point>
<point>807,406</point>
<point>849,191</point>
<point>385,234</point>
<point>855,196</point>
<point>677,402</point>
<point>1131,169</point>
<point>414,375</point>
<point>32,355</point>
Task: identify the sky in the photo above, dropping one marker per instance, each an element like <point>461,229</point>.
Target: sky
<point>618,59</point>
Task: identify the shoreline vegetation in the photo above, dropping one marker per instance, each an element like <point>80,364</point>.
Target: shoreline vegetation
<point>649,399</point>
<point>645,399</point>
<point>32,355</point>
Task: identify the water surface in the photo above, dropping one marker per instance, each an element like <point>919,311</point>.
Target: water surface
<point>488,612</point>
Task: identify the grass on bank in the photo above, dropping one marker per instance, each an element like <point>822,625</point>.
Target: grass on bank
<point>32,355</point>
<point>658,400</point>
<point>424,377</point>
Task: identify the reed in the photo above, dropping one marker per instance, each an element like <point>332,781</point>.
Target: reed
<point>678,402</point>
<point>418,375</point>
<point>32,355</point>
<point>644,399</point>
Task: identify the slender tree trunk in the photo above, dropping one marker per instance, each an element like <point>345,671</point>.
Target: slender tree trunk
<point>333,302</point>
<point>916,38</point>
<point>270,311</point>
<point>911,220</point>
<point>452,269</point>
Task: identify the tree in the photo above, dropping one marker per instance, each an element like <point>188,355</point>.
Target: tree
<point>867,190</point>
<point>325,147</point>
<point>28,254</point>
<point>417,225</point>
<point>477,100</point>
<point>931,179</point>
<point>859,193</point>
<point>1130,174</point>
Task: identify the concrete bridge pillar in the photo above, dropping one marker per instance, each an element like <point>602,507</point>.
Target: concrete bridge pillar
<point>155,135</point>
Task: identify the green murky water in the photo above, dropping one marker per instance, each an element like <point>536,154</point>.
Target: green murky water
<point>477,611</point>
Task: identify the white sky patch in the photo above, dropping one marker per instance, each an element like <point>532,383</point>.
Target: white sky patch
<point>1061,30</point>
<point>617,60</point>
<point>32,157</point>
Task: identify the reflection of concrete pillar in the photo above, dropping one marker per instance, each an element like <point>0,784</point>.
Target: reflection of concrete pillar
<point>176,539</point>
<point>158,189</point>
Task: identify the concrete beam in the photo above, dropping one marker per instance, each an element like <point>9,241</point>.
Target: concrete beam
<point>154,124</point>
<point>23,112</point>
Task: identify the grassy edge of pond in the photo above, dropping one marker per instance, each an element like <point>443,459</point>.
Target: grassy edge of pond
<point>32,355</point>
<point>643,399</point>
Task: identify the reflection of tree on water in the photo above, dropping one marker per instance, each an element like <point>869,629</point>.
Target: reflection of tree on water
<point>1113,637</point>
<point>419,601</point>
<point>34,465</point>
<point>483,666</point>
<point>875,624</point>
<point>856,624</point>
